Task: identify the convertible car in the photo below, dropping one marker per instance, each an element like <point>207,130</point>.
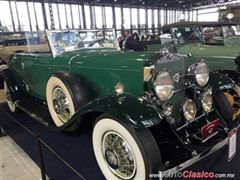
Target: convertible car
<point>217,42</point>
<point>149,111</point>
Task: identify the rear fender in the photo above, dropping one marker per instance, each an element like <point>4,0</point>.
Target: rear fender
<point>15,92</point>
<point>132,110</point>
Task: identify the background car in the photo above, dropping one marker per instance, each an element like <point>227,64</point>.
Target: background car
<point>217,42</point>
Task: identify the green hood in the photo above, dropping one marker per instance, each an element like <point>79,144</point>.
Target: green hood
<point>103,69</point>
<point>198,49</point>
<point>218,57</point>
<point>108,59</point>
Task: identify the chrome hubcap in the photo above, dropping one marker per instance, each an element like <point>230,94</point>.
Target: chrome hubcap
<point>61,105</point>
<point>118,155</point>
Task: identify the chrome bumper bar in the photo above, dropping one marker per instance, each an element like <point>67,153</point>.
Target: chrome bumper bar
<point>195,159</point>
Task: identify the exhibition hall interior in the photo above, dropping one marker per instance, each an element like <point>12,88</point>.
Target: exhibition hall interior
<point>119,89</point>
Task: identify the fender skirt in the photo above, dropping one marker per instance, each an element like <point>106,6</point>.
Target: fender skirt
<point>130,109</point>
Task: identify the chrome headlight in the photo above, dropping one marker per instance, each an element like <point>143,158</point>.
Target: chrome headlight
<point>207,102</point>
<point>202,73</point>
<point>163,85</point>
<point>189,109</point>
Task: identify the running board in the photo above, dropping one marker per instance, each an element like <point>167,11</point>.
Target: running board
<point>37,111</point>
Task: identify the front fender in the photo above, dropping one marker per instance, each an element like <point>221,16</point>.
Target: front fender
<point>130,109</point>
<point>220,82</point>
<point>234,75</point>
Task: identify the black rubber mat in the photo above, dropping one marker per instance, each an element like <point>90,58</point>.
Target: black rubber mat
<point>77,151</point>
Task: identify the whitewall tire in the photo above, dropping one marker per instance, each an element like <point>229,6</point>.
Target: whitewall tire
<point>123,152</point>
<point>10,103</point>
<point>59,101</point>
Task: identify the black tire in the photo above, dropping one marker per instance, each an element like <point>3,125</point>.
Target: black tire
<point>74,92</point>
<point>141,142</point>
<point>1,78</point>
<point>223,107</point>
<point>1,82</point>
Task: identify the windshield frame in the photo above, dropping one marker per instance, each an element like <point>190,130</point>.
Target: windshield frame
<point>56,53</point>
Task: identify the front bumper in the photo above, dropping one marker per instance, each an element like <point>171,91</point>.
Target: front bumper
<point>196,158</point>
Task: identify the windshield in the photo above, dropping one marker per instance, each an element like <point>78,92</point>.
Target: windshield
<point>187,34</point>
<point>227,34</point>
<point>37,42</point>
<point>65,41</point>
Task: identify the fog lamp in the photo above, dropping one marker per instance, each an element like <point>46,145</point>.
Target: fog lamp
<point>189,109</point>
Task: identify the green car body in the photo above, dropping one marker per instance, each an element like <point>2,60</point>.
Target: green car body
<point>122,84</point>
<point>219,55</point>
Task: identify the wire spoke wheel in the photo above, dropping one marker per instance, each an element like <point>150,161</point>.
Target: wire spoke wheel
<point>118,155</point>
<point>123,152</point>
<point>233,96</point>
<point>10,102</point>
<point>61,104</point>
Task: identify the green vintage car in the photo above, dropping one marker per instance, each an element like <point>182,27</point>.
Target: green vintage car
<point>217,42</point>
<point>148,111</point>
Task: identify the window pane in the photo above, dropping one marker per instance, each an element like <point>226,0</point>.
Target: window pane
<point>62,16</point>
<point>39,16</point>
<point>98,12</point>
<point>118,17</point>
<point>69,18</point>
<point>109,17</point>
<point>134,18</point>
<point>156,18</point>
<point>32,16</point>
<point>48,15</point>
<point>126,18</point>
<point>142,14</point>
<point>162,17</point>
<point>87,16</point>
<point>23,16</point>
<point>75,16</point>
<point>55,16</point>
<point>14,12</point>
<point>5,17</point>
<point>149,18</point>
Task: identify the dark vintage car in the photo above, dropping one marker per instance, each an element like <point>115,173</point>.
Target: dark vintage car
<point>217,42</point>
<point>148,111</point>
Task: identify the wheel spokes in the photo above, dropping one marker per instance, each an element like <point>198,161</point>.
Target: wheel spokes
<point>62,105</point>
<point>121,162</point>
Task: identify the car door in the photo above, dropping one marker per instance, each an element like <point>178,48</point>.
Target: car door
<point>38,68</point>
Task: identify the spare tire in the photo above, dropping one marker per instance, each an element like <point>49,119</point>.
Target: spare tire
<point>64,94</point>
<point>223,107</point>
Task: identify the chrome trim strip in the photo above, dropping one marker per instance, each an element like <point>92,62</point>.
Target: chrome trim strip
<point>203,141</point>
<point>187,123</point>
